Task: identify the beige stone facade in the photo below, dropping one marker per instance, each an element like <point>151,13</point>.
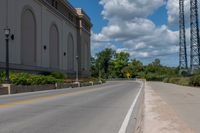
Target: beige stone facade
<point>48,36</point>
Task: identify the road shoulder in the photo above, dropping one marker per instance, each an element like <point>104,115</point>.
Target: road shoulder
<point>159,117</point>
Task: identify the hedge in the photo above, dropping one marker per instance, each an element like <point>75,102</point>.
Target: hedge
<point>195,80</point>
<point>30,79</point>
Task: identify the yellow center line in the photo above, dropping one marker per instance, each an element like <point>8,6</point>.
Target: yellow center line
<point>45,98</point>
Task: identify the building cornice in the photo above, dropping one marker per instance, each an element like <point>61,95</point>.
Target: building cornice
<point>78,13</point>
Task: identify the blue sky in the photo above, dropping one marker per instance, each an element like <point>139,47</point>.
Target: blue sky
<point>93,9</point>
<point>146,29</point>
<point>159,17</point>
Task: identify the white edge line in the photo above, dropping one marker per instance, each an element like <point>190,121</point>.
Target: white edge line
<point>128,115</point>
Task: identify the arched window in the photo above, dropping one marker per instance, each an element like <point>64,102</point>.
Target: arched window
<point>54,47</point>
<point>70,53</point>
<point>28,38</point>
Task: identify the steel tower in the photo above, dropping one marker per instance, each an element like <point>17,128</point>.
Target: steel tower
<point>183,63</point>
<point>194,37</point>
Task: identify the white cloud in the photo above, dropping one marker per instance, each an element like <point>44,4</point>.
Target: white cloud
<point>128,9</point>
<point>129,27</point>
<point>173,11</point>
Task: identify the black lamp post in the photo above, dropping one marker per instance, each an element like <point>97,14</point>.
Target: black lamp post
<point>7,34</point>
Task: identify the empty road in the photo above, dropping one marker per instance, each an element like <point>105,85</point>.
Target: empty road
<point>97,109</point>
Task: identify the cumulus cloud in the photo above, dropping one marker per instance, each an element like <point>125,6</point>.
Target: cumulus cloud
<point>129,26</point>
<point>127,9</point>
<point>173,11</point>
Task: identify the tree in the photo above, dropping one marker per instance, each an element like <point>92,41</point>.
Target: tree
<point>103,61</point>
<point>156,62</point>
<point>109,64</point>
<point>136,67</point>
<point>94,68</point>
<point>120,61</point>
<point>127,72</point>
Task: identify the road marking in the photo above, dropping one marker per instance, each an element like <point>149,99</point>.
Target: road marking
<point>128,115</point>
<point>11,104</point>
<point>46,98</point>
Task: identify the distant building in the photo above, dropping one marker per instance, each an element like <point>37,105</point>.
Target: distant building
<point>48,36</point>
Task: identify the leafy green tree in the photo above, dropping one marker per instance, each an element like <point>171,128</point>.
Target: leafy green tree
<point>136,67</point>
<point>156,62</point>
<point>120,61</point>
<point>109,64</point>
<point>127,72</point>
<point>103,61</point>
<point>94,67</point>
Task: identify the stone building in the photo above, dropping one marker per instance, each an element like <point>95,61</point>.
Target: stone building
<point>48,35</point>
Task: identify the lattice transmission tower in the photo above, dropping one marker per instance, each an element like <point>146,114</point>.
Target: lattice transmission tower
<point>194,37</point>
<point>183,63</point>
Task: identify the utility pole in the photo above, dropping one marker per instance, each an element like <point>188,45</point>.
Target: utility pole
<point>194,38</point>
<point>183,63</point>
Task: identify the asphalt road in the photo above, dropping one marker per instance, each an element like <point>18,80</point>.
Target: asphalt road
<point>184,100</point>
<point>98,109</point>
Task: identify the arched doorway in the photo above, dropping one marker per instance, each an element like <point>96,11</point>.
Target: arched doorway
<point>70,55</point>
<point>28,38</point>
<point>54,47</point>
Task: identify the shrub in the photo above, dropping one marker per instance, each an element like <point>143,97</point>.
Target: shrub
<point>178,80</point>
<point>166,80</point>
<point>2,77</point>
<point>58,75</point>
<point>20,78</point>
<point>195,80</point>
<point>31,79</point>
<point>174,80</point>
<point>185,81</point>
<point>154,77</point>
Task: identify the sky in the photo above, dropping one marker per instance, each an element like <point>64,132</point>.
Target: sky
<point>146,29</point>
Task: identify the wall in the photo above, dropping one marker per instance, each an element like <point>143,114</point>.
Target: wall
<point>85,53</point>
<point>45,17</point>
<point>3,90</point>
<point>2,26</point>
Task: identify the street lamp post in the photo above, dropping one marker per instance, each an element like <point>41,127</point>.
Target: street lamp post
<point>7,34</point>
<point>77,69</point>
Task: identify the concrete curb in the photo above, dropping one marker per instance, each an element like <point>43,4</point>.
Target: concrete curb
<point>8,89</point>
<point>139,113</point>
<point>133,121</point>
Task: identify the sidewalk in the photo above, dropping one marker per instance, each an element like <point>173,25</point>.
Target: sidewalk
<point>159,117</point>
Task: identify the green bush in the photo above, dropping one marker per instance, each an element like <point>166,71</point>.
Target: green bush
<point>174,80</point>
<point>195,80</point>
<point>30,79</point>
<point>178,80</point>
<point>20,78</point>
<point>185,81</point>
<point>103,80</point>
<point>166,80</point>
<point>58,75</point>
<point>154,77</point>
<point>2,77</point>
